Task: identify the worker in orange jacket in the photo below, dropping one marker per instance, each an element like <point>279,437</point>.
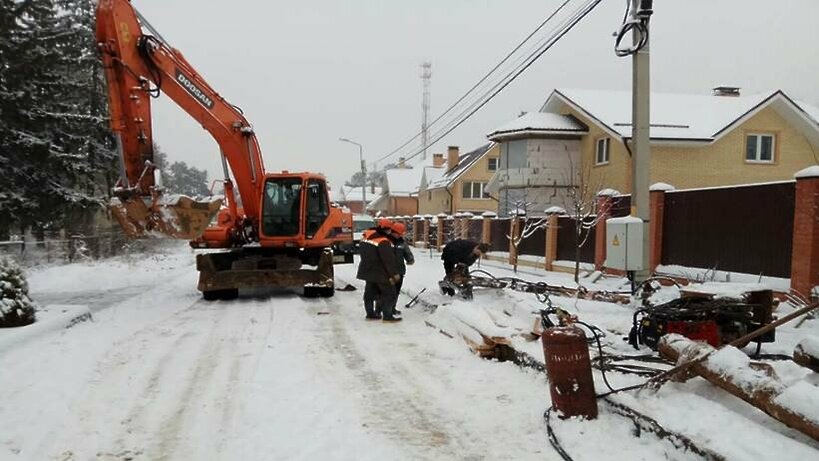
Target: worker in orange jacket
<point>380,272</point>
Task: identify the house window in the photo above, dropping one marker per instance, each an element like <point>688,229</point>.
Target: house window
<point>602,152</point>
<point>474,190</point>
<point>759,148</point>
<point>493,164</point>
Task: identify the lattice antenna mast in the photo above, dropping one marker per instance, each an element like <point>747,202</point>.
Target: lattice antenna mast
<point>426,78</point>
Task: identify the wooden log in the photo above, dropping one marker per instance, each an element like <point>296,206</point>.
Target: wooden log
<point>725,371</point>
<point>681,368</point>
<point>806,354</point>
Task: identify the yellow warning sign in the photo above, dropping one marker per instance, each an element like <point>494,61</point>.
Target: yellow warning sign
<point>616,241</point>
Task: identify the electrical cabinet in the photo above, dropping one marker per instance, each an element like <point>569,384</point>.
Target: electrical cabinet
<point>624,243</point>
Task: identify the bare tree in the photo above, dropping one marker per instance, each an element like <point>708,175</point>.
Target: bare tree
<point>582,208</point>
<point>530,226</point>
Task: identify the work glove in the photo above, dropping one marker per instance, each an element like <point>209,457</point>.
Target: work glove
<point>394,279</point>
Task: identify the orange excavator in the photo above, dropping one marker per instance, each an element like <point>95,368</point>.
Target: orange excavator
<point>285,220</point>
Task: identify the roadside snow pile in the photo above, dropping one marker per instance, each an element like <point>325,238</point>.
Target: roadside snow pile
<point>114,273</point>
<point>16,309</point>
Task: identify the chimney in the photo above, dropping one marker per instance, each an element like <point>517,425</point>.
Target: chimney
<point>452,154</point>
<point>437,160</point>
<point>726,91</point>
<point>402,162</point>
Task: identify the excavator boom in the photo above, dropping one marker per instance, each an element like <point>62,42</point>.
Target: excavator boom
<point>285,220</point>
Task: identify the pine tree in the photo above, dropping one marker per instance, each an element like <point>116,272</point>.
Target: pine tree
<point>16,309</point>
<point>55,146</point>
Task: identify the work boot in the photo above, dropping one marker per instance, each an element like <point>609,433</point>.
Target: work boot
<point>392,319</point>
<point>373,317</point>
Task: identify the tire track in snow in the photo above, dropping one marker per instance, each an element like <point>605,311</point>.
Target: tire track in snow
<point>401,410</point>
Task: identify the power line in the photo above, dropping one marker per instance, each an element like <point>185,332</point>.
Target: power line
<point>573,22</point>
<point>479,82</point>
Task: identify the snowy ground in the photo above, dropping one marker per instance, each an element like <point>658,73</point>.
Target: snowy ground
<point>161,374</point>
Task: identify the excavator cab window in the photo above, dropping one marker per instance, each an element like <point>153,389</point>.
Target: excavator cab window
<point>317,206</point>
<point>282,206</point>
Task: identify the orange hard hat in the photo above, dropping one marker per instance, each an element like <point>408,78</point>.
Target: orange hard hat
<point>399,228</point>
<point>383,223</point>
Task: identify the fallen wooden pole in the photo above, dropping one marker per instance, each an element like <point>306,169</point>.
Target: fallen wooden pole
<point>680,369</point>
<point>725,370</point>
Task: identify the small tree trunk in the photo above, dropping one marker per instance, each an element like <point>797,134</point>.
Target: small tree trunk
<point>577,231</point>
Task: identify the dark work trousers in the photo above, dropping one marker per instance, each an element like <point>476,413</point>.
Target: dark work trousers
<point>448,267</point>
<point>399,285</point>
<point>381,297</point>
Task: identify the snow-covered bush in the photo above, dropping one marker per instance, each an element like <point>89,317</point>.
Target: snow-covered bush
<point>16,309</point>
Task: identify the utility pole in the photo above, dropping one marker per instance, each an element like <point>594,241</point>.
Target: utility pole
<point>426,77</point>
<point>640,127</point>
<point>363,173</point>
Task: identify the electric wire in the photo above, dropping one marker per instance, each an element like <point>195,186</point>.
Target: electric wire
<point>513,76</point>
<point>482,79</point>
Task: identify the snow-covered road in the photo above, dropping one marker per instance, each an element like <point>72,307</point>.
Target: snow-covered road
<point>161,374</point>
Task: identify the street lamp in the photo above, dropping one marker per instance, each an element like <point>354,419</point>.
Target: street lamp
<point>363,173</point>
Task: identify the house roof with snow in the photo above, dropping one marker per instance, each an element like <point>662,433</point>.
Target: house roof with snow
<point>430,175</point>
<point>683,117</point>
<point>539,123</point>
<point>465,161</point>
<point>354,193</point>
<point>403,182</point>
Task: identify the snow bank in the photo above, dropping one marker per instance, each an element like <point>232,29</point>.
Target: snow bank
<point>111,274</point>
<point>50,319</point>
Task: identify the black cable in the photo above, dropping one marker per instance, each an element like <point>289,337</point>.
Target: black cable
<point>483,79</point>
<point>637,25</point>
<point>508,79</point>
<point>552,437</point>
<point>503,84</point>
<point>144,46</point>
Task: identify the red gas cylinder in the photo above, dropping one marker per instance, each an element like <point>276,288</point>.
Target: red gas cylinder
<point>569,370</point>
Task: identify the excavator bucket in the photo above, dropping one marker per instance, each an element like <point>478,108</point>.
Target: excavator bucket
<point>176,216</point>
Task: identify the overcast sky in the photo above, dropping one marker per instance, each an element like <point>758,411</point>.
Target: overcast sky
<point>309,72</point>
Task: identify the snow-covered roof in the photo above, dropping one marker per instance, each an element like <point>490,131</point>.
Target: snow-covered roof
<point>683,117</point>
<point>465,161</point>
<point>403,182</point>
<point>534,123</point>
<point>352,193</point>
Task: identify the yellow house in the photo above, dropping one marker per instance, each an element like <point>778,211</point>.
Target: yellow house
<point>461,185</point>
<point>696,141</point>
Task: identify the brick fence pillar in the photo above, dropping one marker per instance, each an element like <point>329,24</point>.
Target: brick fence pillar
<point>439,232</point>
<point>805,253</point>
<point>426,233</point>
<point>656,211</point>
<point>486,229</point>
<point>605,200</point>
<point>551,240</point>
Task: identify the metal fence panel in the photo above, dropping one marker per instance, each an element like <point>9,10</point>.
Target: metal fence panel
<point>566,243</point>
<point>498,234</point>
<point>741,229</point>
<point>535,244</point>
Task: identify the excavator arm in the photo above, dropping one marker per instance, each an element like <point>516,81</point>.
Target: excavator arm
<point>138,66</point>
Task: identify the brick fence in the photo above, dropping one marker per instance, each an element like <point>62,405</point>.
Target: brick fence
<point>761,229</point>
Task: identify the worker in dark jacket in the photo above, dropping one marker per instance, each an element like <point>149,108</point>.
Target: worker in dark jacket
<point>462,251</point>
<point>403,253</point>
<point>380,272</point>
